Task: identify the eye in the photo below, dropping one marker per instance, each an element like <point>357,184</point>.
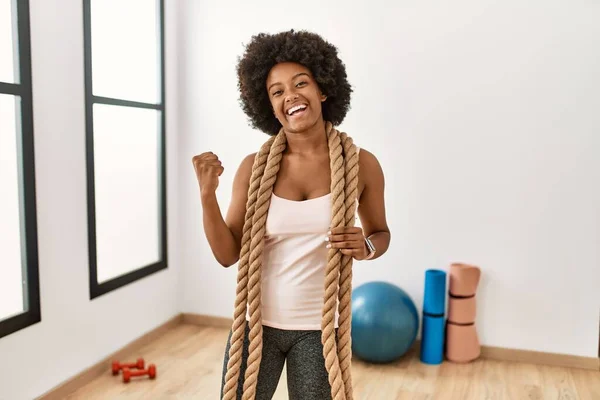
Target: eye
<point>302,83</point>
<point>277,92</point>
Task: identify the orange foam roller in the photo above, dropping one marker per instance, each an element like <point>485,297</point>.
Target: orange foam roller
<point>462,343</point>
<point>463,279</point>
<point>462,310</point>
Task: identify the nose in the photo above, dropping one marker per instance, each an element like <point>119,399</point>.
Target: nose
<point>291,96</point>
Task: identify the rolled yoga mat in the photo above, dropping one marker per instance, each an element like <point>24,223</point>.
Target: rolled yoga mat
<point>434,302</point>
<point>462,341</point>
<point>434,305</point>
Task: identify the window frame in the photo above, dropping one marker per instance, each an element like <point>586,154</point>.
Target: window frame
<point>27,191</point>
<point>98,289</point>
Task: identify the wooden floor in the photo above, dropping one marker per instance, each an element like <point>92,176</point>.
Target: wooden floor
<point>189,362</point>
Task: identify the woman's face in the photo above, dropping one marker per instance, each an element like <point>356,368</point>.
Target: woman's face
<point>295,96</point>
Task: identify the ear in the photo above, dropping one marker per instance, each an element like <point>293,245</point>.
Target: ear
<point>323,97</point>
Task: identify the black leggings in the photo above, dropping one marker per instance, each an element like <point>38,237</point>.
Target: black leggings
<point>307,378</point>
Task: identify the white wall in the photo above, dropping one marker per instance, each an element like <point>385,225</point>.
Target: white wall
<point>75,332</point>
<point>485,118</point>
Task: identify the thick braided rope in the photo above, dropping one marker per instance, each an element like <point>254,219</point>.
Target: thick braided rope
<point>344,180</point>
<point>259,220</point>
<point>344,176</point>
<point>239,319</point>
<point>345,291</point>
<point>328,337</point>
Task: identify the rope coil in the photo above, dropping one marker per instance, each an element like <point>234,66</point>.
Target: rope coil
<point>337,351</point>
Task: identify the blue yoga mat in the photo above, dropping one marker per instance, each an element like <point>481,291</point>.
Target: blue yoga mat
<point>432,339</point>
<point>434,309</point>
<point>434,300</point>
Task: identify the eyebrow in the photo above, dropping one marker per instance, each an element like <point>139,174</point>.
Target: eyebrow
<point>294,77</point>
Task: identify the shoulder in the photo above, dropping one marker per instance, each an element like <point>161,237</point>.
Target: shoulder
<point>244,170</point>
<point>369,166</point>
<point>370,172</point>
<point>248,161</point>
<point>367,160</point>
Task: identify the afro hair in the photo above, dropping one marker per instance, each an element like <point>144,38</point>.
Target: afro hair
<point>308,49</point>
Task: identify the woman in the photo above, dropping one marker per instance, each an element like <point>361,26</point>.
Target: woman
<point>293,87</point>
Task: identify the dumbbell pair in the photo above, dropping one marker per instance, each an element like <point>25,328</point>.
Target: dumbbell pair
<point>138,367</point>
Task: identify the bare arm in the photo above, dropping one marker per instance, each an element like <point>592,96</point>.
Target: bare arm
<point>236,214</point>
<point>224,235</point>
<point>371,209</point>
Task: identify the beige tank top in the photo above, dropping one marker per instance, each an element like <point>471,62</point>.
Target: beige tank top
<point>294,263</point>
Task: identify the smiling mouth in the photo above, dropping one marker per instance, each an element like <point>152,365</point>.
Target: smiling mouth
<point>296,110</point>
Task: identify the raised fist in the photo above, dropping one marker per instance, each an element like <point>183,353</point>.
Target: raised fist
<point>208,169</point>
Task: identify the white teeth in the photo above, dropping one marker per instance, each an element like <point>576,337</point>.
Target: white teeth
<point>296,108</point>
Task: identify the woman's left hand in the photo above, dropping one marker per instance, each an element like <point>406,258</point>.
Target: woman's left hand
<point>349,240</point>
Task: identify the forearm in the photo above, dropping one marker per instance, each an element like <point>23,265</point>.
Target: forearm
<point>381,241</point>
<point>220,238</point>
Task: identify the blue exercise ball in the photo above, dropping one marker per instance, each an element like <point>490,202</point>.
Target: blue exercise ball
<point>385,322</point>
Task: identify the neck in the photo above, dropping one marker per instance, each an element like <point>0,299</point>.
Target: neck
<point>309,141</point>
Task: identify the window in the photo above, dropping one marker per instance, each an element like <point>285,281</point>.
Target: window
<point>125,136</point>
<point>19,279</point>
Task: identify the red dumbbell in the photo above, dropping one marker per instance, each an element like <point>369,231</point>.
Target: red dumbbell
<point>151,372</point>
<point>116,366</point>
